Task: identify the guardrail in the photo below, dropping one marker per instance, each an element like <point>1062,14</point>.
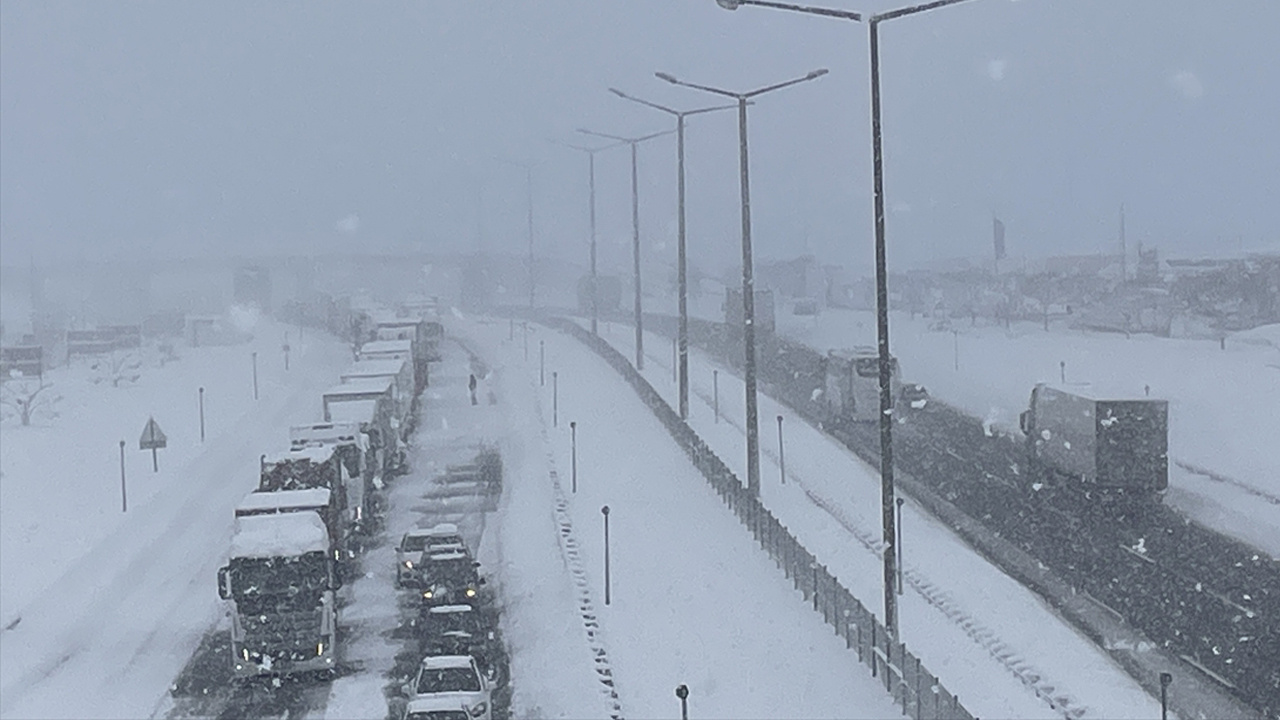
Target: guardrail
<point>920,694</point>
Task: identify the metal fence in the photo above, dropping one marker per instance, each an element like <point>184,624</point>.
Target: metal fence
<point>919,693</point>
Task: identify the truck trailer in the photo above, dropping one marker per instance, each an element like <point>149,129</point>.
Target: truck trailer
<point>280,583</point>
<point>1109,446</point>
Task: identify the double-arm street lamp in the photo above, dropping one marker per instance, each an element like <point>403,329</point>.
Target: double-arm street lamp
<point>635,228</point>
<point>591,173</point>
<point>882,291</point>
<point>681,274</point>
<point>748,283</point>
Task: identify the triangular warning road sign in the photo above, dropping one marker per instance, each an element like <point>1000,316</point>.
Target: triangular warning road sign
<point>152,436</point>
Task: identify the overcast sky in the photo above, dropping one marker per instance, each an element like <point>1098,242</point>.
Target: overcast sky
<point>294,126</point>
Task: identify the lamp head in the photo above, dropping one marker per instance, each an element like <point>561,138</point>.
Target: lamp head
<point>816,74</point>
<point>666,76</point>
<point>729,4</point>
<point>617,92</point>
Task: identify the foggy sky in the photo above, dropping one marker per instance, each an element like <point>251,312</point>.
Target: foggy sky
<point>284,127</point>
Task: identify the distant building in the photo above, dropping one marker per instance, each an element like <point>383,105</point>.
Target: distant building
<point>252,286</point>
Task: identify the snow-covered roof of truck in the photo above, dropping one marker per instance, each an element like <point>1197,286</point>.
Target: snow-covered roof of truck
<point>386,346</point>
<point>315,454</point>
<point>282,535</point>
<point>353,411</point>
<point>378,367</point>
<point>1102,390</point>
<point>330,433</point>
<point>284,499</point>
<point>395,321</point>
<point>857,351</point>
<point>360,386</point>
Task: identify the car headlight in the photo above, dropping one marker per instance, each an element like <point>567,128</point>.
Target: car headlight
<point>408,564</point>
<point>427,594</point>
<point>471,592</point>
<point>478,710</point>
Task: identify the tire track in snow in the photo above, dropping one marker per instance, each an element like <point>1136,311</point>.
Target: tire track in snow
<point>573,560</point>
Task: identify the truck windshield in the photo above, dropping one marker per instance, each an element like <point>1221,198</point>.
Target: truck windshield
<point>452,679</point>
<point>297,474</point>
<point>279,577</point>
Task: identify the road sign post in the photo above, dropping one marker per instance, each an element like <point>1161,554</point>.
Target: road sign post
<point>124,497</point>
<point>605,511</point>
<point>153,438</point>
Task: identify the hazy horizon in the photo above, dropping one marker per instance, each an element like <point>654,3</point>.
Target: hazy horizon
<point>324,127</point>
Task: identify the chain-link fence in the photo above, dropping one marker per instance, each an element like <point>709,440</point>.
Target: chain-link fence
<point>919,693</point>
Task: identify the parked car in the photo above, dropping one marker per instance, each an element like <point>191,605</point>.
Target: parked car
<point>450,678</point>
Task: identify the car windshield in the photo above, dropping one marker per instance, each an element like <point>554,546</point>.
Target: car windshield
<point>445,540</point>
<point>414,543</point>
<point>454,573</point>
<point>452,679</point>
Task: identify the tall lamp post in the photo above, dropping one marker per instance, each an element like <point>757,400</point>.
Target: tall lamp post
<point>591,172</point>
<point>882,284</point>
<point>635,228</point>
<point>528,178</point>
<point>748,283</point>
<point>681,273</point>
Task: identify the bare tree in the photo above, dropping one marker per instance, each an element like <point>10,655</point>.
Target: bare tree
<point>116,368</point>
<point>27,398</point>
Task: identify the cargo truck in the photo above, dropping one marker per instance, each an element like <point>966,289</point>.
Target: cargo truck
<point>279,584</point>
<point>352,448</point>
<point>368,402</point>
<point>1112,447</point>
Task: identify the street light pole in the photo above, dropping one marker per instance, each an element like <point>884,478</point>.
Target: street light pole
<point>682,333</point>
<point>528,178</point>
<point>748,282</point>
<point>635,231</point>
<point>882,292</point>
<point>591,174</point>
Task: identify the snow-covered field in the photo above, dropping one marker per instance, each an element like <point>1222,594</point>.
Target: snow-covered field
<point>1224,404</point>
<point>101,607</point>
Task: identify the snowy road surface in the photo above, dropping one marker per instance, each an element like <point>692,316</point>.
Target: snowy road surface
<point>992,641</point>
<point>694,600</point>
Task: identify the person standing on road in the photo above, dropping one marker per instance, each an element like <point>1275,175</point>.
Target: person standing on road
<point>472,385</point>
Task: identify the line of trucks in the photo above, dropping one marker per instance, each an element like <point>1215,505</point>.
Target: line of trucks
<point>297,530</point>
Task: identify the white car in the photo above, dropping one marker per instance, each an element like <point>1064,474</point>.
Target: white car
<point>440,538</point>
<point>455,680</point>
<point>407,554</point>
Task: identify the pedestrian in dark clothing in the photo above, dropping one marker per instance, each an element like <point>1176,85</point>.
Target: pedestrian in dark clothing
<point>472,384</point>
